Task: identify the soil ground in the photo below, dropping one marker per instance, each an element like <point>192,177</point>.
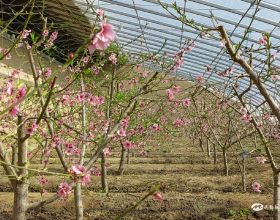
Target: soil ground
<point>193,188</point>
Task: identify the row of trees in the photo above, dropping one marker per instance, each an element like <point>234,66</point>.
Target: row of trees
<point>107,100</point>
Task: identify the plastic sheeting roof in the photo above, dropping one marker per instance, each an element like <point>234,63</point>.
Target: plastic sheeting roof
<point>145,26</point>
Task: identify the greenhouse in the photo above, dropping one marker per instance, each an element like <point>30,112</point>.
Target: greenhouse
<point>139,109</point>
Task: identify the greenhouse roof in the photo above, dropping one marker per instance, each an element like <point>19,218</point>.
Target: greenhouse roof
<point>145,26</point>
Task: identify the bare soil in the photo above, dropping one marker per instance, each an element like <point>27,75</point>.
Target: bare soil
<point>193,189</point>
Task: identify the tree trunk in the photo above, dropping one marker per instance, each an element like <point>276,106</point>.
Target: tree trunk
<point>14,155</point>
<point>104,174</point>
<point>244,174</point>
<point>215,154</point>
<point>201,145</point>
<point>20,200</point>
<point>225,161</point>
<point>122,161</point>
<point>276,196</point>
<point>128,157</point>
<point>21,185</point>
<point>78,201</point>
<point>208,148</point>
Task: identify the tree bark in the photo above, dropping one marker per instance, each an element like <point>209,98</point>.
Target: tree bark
<point>208,148</point>
<point>244,174</point>
<point>201,145</point>
<point>22,184</point>
<point>78,201</point>
<point>104,181</point>
<point>215,154</point>
<point>122,161</point>
<point>128,157</point>
<point>225,161</point>
<point>276,195</point>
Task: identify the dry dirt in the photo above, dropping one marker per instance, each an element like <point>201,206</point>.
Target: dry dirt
<point>193,188</point>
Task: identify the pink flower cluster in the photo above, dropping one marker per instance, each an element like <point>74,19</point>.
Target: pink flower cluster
<point>51,39</point>
<point>31,129</point>
<point>186,102</point>
<point>179,122</point>
<point>107,151</point>
<point>64,190</point>
<point>256,187</point>
<point>128,145</point>
<point>113,58</point>
<point>70,149</point>
<point>80,171</point>
<point>227,71</point>
<point>156,127</point>
<point>245,116</point>
<point>43,181</point>
<point>179,57</point>
<point>123,126</point>
<point>263,40</point>
<point>25,33</point>
<point>102,39</point>
<point>172,92</point>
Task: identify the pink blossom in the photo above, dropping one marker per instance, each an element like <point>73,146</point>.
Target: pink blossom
<point>103,38</point>
<point>14,111</point>
<point>47,72</point>
<point>263,40</point>
<point>107,151</point>
<point>85,60</point>
<point>45,33</point>
<point>186,102</point>
<point>53,36</point>
<point>70,149</point>
<point>256,187</point>
<point>156,127</point>
<point>78,169</point>
<point>86,179</point>
<point>121,132</point>
<point>64,190</point>
<point>170,95</point>
<point>100,13</point>
<point>261,159</point>
<point>124,122</point>
<point>21,92</point>
<point>43,181</point>
<point>246,118</point>
<point>158,197</point>
<point>95,171</point>
<point>113,58</point>
<point>127,145</point>
<point>179,122</point>
<point>31,129</point>
<point>10,88</point>
<point>80,97</point>
<point>95,69</point>
<point>25,33</point>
